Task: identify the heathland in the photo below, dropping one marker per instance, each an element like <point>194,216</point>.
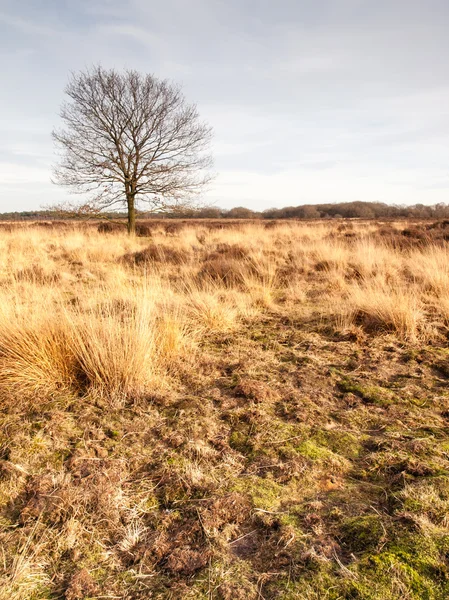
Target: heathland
<point>224,411</point>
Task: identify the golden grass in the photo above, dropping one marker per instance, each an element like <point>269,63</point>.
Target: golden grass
<point>176,394</point>
<point>383,306</point>
<point>75,316</point>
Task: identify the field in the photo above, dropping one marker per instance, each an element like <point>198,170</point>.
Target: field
<point>225,411</point>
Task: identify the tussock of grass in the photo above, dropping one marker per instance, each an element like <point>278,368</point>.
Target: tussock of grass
<point>381,306</point>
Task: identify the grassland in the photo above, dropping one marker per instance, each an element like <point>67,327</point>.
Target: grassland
<point>253,411</point>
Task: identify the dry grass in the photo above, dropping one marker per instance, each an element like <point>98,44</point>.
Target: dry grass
<point>224,412</point>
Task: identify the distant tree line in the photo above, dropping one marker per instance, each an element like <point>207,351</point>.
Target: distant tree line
<point>343,210</point>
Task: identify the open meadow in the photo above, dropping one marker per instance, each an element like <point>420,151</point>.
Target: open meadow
<point>243,411</point>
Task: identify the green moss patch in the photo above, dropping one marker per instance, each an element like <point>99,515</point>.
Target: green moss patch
<point>362,534</point>
<point>372,394</point>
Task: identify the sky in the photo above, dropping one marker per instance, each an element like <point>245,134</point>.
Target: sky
<point>310,100</point>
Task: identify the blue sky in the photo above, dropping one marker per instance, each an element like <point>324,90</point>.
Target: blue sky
<point>310,101</point>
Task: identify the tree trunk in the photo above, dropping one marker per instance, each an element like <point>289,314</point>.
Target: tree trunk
<point>131,214</point>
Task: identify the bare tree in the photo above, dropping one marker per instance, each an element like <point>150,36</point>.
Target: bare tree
<point>130,137</point>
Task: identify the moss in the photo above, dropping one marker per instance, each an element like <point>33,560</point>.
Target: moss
<point>292,520</point>
<point>414,561</point>
<point>312,450</point>
<point>412,566</point>
<point>340,442</point>
<point>371,394</point>
<point>126,578</point>
<point>265,494</point>
<point>321,584</point>
<point>410,466</point>
<point>151,503</point>
<point>442,543</point>
<point>113,433</point>
<point>42,593</point>
<point>92,557</point>
<point>429,497</point>
<point>412,354</point>
<point>436,358</point>
<point>320,454</point>
<point>360,534</point>
<point>292,357</point>
<point>412,572</point>
<point>240,440</point>
<point>60,456</point>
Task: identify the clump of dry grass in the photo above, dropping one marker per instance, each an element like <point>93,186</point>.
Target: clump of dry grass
<point>380,306</point>
<point>34,361</point>
<point>156,253</point>
<point>25,572</point>
<point>120,345</point>
<point>114,356</point>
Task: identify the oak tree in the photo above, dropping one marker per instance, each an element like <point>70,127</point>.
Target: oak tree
<point>130,137</point>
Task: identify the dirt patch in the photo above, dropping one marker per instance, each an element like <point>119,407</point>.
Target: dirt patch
<point>81,586</point>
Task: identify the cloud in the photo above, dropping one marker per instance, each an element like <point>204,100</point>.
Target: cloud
<point>322,101</point>
<point>137,34</point>
<point>26,26</point>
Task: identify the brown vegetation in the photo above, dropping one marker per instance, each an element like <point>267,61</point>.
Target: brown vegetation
<point>226,411</point>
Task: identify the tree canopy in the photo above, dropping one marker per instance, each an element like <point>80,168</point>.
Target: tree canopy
<point>129,137</point>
